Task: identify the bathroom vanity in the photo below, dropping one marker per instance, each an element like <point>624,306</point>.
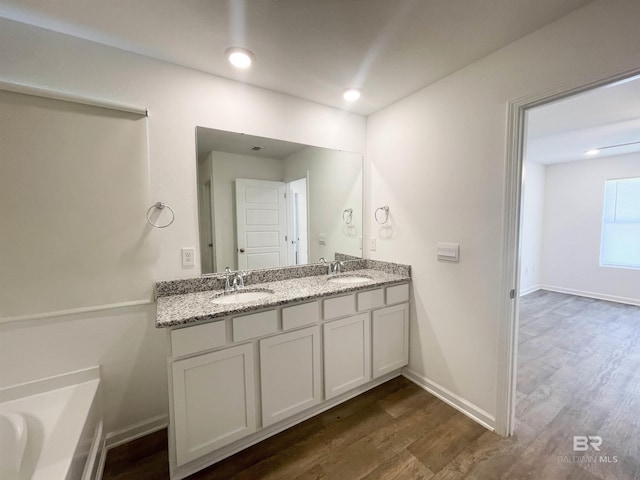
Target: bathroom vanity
<point>293,342</point>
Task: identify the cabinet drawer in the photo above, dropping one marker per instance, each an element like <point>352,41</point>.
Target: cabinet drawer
<point>338,306</point>
<point>370,299</point>
<point>300,315</point>
<point>254,325</point>
<point>198,338</point>
<point>398,294</point>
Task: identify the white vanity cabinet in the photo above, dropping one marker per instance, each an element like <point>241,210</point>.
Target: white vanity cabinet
<point>243,378</point>
<point>290,374</point>
<point>213,401</point>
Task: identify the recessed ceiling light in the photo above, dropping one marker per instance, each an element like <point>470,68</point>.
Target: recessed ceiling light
<point>351,94</point>
<point>593,151</point>
<point>240,57</point>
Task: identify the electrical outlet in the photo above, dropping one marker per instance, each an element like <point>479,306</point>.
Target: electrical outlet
<point>372,244</point>
<point>188,256</point>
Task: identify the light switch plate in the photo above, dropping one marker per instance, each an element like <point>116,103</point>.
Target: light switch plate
<point>448,252</point>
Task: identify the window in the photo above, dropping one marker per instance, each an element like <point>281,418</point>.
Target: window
<point>621,223</point>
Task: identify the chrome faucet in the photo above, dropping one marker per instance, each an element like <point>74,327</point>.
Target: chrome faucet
<point>227,285</point>
<point>238,280</point>
<point>335,267</point>
<point>234,280</point>
<point>324,260</point>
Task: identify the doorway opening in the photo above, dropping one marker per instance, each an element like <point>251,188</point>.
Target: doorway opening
<point>298,224</point>
<point>516,266</point>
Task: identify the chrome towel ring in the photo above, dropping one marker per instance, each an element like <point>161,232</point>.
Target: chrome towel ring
<point>385,211</point>
<point>347,216</point>
<point>160,206</point>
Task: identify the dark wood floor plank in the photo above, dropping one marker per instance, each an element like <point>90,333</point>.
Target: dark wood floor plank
<point>360,458</point>
<point>400,467</point>
<point>440,446</point>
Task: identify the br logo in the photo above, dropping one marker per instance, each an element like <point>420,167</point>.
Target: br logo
<point>581,443</point>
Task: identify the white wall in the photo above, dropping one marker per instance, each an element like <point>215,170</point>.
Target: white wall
<point>437,158</point>
<point>58,246</point>
<point>178,99</point>
<point>335,184</point>
<point>533,198</point>
<point>226,168</point>
<point>573,214</point>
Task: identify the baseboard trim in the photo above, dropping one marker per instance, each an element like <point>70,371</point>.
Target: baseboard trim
<point>128,434</point>
<point>595,295</point>
<point>529,290</point>
<point>469,409</point>
<point>135,431</point>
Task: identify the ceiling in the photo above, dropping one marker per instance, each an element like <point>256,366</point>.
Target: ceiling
<point>209,139</point>
<point>311,49</point>
<point>563,131</point>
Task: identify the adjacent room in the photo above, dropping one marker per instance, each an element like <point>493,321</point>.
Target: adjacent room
<point>578,353</point>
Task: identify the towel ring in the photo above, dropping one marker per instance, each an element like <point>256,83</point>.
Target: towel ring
<point>385,210</point>
<point>160,206</point>
<point>347,216</point>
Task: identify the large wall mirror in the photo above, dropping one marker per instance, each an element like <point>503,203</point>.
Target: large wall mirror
<point>267,203</point>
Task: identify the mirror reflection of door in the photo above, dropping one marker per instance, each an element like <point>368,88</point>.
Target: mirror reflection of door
<point>210,252</point>
<point>297,216</point>
<point>261,223</point>
<point>333,183</point>
<point>207,225</point>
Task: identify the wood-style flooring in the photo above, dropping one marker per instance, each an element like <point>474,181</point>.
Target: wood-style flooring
<point>578,375</point>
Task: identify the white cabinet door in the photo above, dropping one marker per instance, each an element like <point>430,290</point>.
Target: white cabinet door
<point>213,400</point>
<point>390,339</point>
<point>290,374</point>
<point>347,354</point>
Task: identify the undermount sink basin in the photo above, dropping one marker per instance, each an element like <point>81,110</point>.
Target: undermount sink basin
<point>242,296</point>
<point>349,279</point>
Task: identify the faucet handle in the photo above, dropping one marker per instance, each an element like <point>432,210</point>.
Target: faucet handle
<point>240,279</point>
<point>227,270</point>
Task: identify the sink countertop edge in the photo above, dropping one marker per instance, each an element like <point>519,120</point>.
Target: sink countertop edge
<point>191,308</point>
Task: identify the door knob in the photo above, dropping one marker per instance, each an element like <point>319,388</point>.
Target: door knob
<point>242,250</point>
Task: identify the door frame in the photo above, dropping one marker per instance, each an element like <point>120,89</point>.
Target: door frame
<point>512,211</point>
<point>290,219</point>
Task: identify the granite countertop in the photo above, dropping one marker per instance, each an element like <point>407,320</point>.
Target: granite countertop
<point>181,309</point>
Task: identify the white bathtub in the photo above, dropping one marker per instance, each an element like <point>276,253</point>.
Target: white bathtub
<point>63,434</point>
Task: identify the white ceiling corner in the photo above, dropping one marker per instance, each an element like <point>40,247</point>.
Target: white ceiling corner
<point>311,49</point>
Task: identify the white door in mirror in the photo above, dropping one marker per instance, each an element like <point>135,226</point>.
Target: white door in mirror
<point>261,224</point>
